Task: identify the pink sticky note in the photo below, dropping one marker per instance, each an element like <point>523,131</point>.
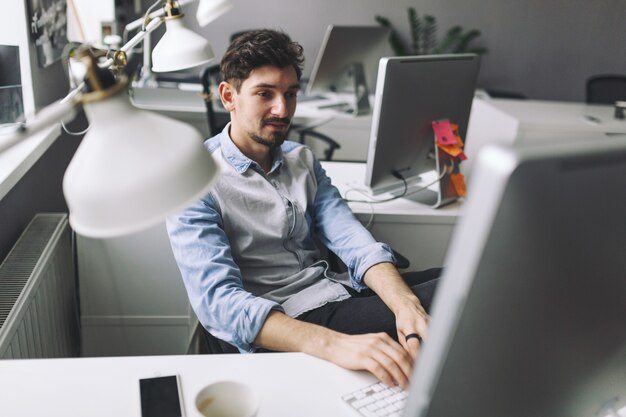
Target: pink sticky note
<point>443,132</point>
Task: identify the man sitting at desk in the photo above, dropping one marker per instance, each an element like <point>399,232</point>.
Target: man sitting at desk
<point>247,250</point>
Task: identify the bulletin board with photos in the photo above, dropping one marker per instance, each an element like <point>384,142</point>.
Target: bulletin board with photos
<point>48,29</point>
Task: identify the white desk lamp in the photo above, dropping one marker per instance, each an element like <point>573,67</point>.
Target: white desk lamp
<point>179,47</point>
<point>133,167</point>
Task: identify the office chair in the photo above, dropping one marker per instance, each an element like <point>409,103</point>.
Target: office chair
<point>235,35</point>
<point>337,265</point>
<point>204,343</point>
<point>605,89</point>
<point>210,77</point>
<point>505,94</point>
<point>304,134</point>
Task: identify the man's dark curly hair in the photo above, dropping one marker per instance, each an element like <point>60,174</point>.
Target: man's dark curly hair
<point>257,48</point>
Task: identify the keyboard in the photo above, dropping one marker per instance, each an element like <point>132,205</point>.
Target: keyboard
<point>377,400</point>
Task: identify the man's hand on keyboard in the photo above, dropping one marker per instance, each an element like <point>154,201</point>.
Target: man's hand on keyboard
<point>412,326</point>
<point>377,353</point>
<point>411,318</point>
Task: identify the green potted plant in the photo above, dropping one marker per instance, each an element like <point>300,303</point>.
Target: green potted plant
<point>423,37</point>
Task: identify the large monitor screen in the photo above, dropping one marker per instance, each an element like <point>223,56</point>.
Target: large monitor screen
<point>411,93</point>
<point>529,315</point>
<point>341,48</point>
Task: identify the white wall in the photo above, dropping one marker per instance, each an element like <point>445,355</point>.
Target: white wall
<point>84,19</point>
<point>542,48</point>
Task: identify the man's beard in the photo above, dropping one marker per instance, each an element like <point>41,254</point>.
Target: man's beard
<point>276,139</point>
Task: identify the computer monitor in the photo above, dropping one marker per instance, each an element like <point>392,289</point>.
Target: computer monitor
<point>411,93</point>
<point>529,317</point>
<point>342,47</point>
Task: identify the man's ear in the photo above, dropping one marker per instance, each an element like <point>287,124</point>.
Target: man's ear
<point>227,95</point>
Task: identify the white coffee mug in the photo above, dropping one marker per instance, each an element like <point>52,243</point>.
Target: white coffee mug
<point>227,399</point>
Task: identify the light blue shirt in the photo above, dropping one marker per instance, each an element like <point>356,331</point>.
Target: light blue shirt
<point>250,245</point>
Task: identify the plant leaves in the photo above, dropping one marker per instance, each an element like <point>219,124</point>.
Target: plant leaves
<point>423,37</point>
<point>416,29</point>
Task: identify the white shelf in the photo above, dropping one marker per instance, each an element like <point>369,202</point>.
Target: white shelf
<point>16,161</point>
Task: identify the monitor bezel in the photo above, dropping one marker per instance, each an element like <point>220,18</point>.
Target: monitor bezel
<point>517,311</point>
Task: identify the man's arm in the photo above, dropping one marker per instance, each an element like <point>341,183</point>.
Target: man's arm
<point>411,318</point>
<point>369,262</point>
<point>377,353</point>
<point>212,278</point>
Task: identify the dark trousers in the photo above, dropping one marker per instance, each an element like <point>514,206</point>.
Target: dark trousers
<point>365,312</point>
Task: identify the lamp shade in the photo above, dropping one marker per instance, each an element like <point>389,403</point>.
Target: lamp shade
<point>209,10</point>
<point>180,48</point>
<point>132,169</point>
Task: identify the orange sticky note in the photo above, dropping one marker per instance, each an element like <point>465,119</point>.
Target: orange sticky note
<point>443,132</point>
<point>455,130</point>
<point>452,150</point>
<point>458,181</point>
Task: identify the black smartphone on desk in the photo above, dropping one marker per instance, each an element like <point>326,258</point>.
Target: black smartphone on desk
<point>161,397</point>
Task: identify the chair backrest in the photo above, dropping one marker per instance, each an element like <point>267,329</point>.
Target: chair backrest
<point>235,35</point>
<point>305,135</point>
<point>210,77</point>
<point>505,94</point>
<point>203,342</point>
<point>606,89</point>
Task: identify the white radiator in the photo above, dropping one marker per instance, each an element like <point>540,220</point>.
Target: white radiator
<point>38,307</point>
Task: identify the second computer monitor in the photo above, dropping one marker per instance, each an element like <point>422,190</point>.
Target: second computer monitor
<point>342,47</point>
<point>411,93</point>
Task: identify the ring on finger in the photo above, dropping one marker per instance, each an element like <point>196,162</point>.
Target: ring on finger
<point>413,336</point>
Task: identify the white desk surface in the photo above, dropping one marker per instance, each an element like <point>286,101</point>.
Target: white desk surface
<point>346,175</point>
<point>288,384</point>
<point>562,116</point>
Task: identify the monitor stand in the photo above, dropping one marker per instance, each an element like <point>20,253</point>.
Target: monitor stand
<point>361,92</point>
<point>436,194</point>
<point>353,85</point>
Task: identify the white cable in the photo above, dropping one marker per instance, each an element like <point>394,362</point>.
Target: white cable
<point>69,132</point>
<point>147,14</point>
<point>370,221</point>
<point>370,200</point>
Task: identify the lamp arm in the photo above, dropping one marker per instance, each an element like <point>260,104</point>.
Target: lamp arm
<point>135,40</point>
<point>64,110</point>
<point>60,111</point>
<point>136,24</point>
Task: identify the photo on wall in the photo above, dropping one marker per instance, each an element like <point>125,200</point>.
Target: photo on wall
<point>11,101</point>
<point>48,29</point>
